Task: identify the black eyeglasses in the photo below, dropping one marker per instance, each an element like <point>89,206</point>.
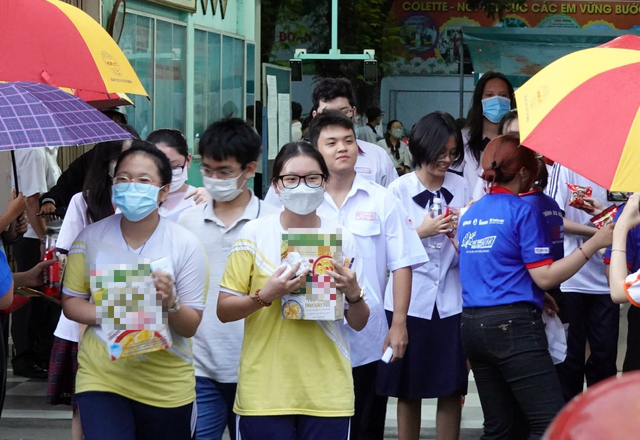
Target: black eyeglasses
<point>291,181</point>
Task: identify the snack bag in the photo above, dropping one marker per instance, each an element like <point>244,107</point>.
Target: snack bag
<point>578,193</point>
<point>317,298</point>
<point>453,214</point>
<point>606,217</point>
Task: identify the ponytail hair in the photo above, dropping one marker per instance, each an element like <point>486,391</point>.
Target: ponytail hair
<point>504,157</point>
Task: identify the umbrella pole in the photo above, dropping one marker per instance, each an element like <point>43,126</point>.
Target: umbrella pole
<point>15,171</point>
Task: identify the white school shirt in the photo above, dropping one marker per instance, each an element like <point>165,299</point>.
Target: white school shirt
<point>182,204</point>
<point>438,281</point>
<point>403,153</point>
<point>380,226</point>
<point>38,172</point>
<point>591,278</point>
<point>216,346</point>
<point>372,163</point>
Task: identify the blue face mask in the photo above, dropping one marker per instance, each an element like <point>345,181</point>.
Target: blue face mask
<point>495,108</point>
<point>134,204</point>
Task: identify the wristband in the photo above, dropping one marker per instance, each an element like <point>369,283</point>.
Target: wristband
<point>256,298</point>
<point>583,253</point>
<point>356,301</point>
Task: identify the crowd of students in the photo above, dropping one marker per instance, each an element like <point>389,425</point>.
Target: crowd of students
<point>445,297</point>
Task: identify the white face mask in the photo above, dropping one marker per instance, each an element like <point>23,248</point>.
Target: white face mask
<point>222,190</point>
<point>302,200</point>
<point>397,133</point>
<point>178,179</point>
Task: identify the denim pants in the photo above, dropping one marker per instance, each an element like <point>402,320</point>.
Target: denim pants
<point>215,408</point>
<point>517,383</point>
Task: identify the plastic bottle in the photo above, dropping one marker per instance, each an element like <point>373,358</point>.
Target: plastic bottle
<point>436,207</point>
<point>51,275</point>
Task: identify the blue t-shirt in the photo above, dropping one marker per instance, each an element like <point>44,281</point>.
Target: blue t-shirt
<point>500,237</point>
<point>554,218</point>
<point>633,244</point>
<point>6,278</point>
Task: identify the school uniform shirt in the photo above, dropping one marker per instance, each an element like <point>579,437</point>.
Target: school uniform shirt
<point>178,204</point>
<point>470,168</point>
<point>436,283</point>
<point>162,378</point>
<point>500,237</point>
<point>380,225</point>
<point>296,131</point>
<point>367,134</point>
<point>590,278</point>
<point>287,366</point>
<point>404,155</point>
<point>216,346</point>
<point>38,172</point>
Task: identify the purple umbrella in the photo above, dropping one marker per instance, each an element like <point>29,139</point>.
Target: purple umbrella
<point>36,115</point>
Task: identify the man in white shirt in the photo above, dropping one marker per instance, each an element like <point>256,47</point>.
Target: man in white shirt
<point>591,313</point>
<point>373,162</point>
<point>229,151</point>
<point>385,241</point>
<point>32,325</point>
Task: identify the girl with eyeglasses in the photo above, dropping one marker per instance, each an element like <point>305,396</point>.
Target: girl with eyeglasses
<point>294,379</point>
<point>434,365</point>
<point>181,195</point>
<point>148,396</point>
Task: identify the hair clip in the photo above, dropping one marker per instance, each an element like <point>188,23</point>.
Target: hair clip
<point>494,165</point>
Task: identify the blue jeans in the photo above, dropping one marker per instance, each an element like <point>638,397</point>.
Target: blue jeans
<point>109,416</point>
<point>215,408</point>
<point>517,383</point>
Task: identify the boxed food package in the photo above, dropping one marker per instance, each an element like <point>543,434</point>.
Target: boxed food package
<point>128,310</point>
<point>578,193</point>
<point>318,299</point>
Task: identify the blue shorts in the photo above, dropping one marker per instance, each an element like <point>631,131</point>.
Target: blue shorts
<point>294,427</point>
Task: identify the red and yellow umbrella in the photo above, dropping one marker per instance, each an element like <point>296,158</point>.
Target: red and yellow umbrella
<point>582,111</point>
<point>52,42</point>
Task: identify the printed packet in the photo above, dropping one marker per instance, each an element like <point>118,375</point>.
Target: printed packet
<point>606,217</point>
<point>578,193</point>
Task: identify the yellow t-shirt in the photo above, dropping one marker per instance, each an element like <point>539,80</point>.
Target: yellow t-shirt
<point>162,378</point>
<point>286,367</point>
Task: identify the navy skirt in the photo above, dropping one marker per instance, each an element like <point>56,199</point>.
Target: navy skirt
<point>434,364</point>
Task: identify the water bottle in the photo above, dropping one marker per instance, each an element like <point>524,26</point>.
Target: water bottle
<point>436,207</point>
<point>51,275</point>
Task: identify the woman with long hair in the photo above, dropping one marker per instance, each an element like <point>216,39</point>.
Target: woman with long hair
<point>506,264</point>
<point>395,147</point>
<point>492,99</point>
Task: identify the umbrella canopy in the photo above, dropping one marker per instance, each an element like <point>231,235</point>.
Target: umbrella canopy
<point>582,111</point>
<point>37,115</point>
<point>102,100</point>
<point>52,42</point>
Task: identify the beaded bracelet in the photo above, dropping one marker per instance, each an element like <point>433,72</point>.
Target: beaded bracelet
<point>583,253</point>
<point>256,298</point>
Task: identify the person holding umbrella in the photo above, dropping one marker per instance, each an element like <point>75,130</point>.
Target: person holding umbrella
<point>505,265</point>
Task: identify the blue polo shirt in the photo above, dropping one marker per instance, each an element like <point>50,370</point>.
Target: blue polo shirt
<point>6,278</point>
<point>553,217</point>
<point>633,244</point>
<point>500,237</point>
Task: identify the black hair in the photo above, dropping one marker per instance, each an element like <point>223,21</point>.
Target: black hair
<point>171,138</point>
<point>305,123</point>
<point>475,117</point>
<point>230,138</point>
<point>326,119</point>
<point>429,137</point>
<point>296,111</point>
<point>542,179</point>
<point>131,130</point>
<point>149,150</point>
<point>372,113</point>
<point>295,149</point>
<point>507,118</point>
<point>96,189</point>
<point>329,89</point>
<point>395,149</point>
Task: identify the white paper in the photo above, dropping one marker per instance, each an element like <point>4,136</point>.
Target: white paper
<point>557,337</point>
<point>284,119</point>
<point>272,117</point>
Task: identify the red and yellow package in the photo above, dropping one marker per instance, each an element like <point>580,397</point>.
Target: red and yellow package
<point>453,214</point>
<point>578,193</point>
<point>605,217</point>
